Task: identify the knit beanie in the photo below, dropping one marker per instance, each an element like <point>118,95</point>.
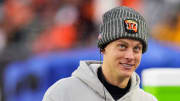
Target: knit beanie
<point>123,22</point>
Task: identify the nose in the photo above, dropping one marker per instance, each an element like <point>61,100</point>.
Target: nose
<point>129,54</point>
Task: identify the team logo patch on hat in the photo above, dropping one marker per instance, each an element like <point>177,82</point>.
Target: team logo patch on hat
<point>131,26</point>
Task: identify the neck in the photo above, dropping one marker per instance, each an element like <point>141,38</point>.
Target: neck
<point>115,80</point>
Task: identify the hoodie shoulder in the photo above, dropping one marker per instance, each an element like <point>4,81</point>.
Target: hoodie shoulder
<point>71,89</point>
<point>63,84</point>
<point>143,96</point>
<point>60,89</point>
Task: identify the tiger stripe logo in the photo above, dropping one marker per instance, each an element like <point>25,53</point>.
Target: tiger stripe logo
<point>131,26</point>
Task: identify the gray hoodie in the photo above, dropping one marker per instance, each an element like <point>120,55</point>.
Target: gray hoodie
<point>84,85</point>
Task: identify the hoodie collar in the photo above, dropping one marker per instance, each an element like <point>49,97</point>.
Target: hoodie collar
<point>87,73</point>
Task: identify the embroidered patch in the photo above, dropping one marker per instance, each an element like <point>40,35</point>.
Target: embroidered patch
<point>131,26</point>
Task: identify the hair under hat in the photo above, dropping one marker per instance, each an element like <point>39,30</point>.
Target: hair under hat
<point>123,22</point>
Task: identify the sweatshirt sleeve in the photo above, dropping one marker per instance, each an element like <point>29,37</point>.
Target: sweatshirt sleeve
<point>47,98</point>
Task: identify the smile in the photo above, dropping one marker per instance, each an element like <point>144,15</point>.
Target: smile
<point>128,66</point>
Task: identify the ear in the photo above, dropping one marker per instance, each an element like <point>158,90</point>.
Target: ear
<point>102,51</point>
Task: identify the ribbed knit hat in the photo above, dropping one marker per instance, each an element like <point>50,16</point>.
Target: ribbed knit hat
<point>123,22</point>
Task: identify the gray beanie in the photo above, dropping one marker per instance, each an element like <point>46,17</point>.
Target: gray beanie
<point>123,22</point>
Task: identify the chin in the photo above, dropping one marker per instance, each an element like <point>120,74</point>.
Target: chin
<point>125,74</point>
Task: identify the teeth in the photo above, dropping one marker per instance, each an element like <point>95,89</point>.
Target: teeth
<point>127,65</point>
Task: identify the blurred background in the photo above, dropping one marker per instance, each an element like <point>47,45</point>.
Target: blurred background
<point>42,41</point>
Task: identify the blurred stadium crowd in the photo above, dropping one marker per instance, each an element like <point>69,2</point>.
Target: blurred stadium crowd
<point>33,27</point>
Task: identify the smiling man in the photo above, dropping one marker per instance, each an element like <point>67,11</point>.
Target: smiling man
<point>121,58</point>
<point>122,41</point>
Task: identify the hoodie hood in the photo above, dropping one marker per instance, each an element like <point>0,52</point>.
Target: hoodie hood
<point>87,73</point>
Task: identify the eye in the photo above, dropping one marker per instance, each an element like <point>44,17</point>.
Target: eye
<point>138,48</point>
<point>122,46</point>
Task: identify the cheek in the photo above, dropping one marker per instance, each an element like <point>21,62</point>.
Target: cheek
<point>115,54</point>
<point>138,59</point>
<point>112,56</point>
<point>117,57</point>
<point>118,54</point>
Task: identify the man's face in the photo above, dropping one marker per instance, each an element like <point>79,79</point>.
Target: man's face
<point>122,57</point>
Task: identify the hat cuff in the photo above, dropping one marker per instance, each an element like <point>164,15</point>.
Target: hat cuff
<point>115,29</point>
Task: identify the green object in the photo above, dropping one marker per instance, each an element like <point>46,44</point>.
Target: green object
<point>163,83</point>
<point>164,93</point>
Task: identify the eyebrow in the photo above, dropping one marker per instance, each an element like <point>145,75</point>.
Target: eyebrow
<point>139,43</point>
<point>122,41</point>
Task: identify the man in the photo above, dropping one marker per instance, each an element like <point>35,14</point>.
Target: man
<point>122,40</point>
